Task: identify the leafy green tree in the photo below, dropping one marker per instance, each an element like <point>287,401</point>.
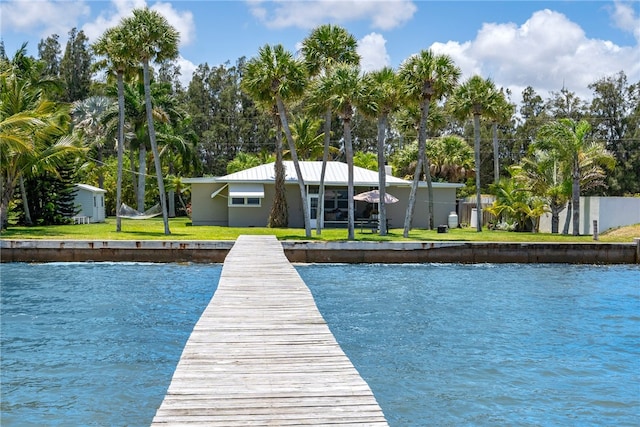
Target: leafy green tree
<point>275,75</point>
<point>582,155</point>
<point>87,116</point>
<point>49,53</point>
<point>242,162</point>
<point>76,67</point>
<point>308,138</point>
<point>427,78</point>
<point>516,206</point>
<point>615,114</point>
<point>451,158</point>
<point>323,49</point>
<point>152,38</point>
<point>475,97</point>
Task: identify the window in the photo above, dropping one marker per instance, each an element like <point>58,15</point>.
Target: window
<point>246,194</point>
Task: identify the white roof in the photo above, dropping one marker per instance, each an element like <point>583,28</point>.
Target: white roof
<point>90,188</point>
<point>336,174</point>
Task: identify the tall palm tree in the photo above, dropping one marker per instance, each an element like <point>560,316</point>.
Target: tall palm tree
<point>152,39</point>
<point>476,96</point>
<point>584,156</point>
<point>384,94</point>
<point>276,76</point>
<point>113,46</point>
<point>427,77</point>
<point>344,90</point>
<point>87,116</point>
<point>325,47</point>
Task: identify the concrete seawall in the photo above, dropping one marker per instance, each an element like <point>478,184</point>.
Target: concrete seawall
<point>322,252</point>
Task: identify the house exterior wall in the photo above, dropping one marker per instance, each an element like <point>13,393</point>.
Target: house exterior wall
<point>208,211</point>
<point>204,209</point>
<point>610,212</point>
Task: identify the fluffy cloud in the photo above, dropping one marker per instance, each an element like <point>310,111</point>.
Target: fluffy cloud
<point>383,14</point>
<point>45,17</point>
<point>181,21</point>
<point>625,17</point>
<point>373,52</point>
<point>547,52</point>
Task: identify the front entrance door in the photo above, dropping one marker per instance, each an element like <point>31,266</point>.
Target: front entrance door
<point>312,199</point>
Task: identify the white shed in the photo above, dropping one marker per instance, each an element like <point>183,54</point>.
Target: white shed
<point>90,200</point>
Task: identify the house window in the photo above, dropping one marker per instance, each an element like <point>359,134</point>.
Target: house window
<point>246,194</point>
<point>245,201</point>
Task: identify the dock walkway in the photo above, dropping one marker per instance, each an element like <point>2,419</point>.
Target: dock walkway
<point>261,354</point>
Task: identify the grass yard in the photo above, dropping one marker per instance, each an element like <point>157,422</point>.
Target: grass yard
<point>181,229</point>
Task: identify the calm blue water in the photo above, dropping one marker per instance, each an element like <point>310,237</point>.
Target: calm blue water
<point>440,345</point>
<point>89,344</point>
<point>490,345</point>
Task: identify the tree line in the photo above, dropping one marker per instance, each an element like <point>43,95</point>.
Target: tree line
<point>113,114</point>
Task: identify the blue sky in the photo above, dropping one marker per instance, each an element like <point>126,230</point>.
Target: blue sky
<point>544,44</point>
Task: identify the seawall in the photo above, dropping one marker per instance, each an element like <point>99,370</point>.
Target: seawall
<point>322,252</point>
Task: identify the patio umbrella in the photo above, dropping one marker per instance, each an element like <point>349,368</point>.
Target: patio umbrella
<point>373,196</point>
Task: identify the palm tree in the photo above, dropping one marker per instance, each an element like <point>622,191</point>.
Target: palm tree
<point>584,157</point>
<point>499,113</point>
<point>276,76</point>
<point>476,97</point>
<point>33,130</point>
<point>344,90</point>
<point>384,94</point>
<point>153,39</point>
<point>308,139</point>
<point>114,47</point>
<point>325,47</point>
<point>427,77</point>
<point>87,115</point>
<point>451,158</point>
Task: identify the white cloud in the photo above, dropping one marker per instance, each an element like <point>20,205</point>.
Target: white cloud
<point>547,52</point>
<point>383,14</point>
<point>373,52</point>
<point>187,69</point>
<point>182,21</point>
<point>45,17</point>
<point>626,18</point>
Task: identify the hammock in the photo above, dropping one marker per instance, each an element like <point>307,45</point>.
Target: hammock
<point>128,212</point>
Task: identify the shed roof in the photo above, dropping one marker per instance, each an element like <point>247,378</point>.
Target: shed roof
<point>90,188</point>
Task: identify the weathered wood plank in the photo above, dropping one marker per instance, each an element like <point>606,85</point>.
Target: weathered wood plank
<point>261,354</point>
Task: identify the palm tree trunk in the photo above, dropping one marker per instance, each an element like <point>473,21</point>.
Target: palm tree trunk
<point>154,146</point>
<point>142,176</point>
<point>382,175</point>
<point>348,145</point>
<point>422,142</point>
<point>325,159</point>
<point>120,149</point>
<point>567,220</point>
<point>294,156</point>
<point>476,133</point>
<point>279,216</point>
<point>575,196</point>
<point>427,175</point>
<point>496,161</point>
<point>25,203</point>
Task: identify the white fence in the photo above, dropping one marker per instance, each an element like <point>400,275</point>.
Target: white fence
<point>610,212</point>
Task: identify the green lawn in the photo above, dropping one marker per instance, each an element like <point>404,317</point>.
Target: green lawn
<point>181,229</point>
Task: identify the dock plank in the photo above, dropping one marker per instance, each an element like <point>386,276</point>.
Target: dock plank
<point>262,354</point>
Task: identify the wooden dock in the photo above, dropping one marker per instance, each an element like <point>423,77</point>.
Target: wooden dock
<point>262,355</point>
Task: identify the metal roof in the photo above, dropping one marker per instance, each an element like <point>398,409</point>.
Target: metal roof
<point>336,174</point>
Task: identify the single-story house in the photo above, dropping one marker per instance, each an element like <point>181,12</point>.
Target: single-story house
<point>244,199</point>
<point>90,201</point>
